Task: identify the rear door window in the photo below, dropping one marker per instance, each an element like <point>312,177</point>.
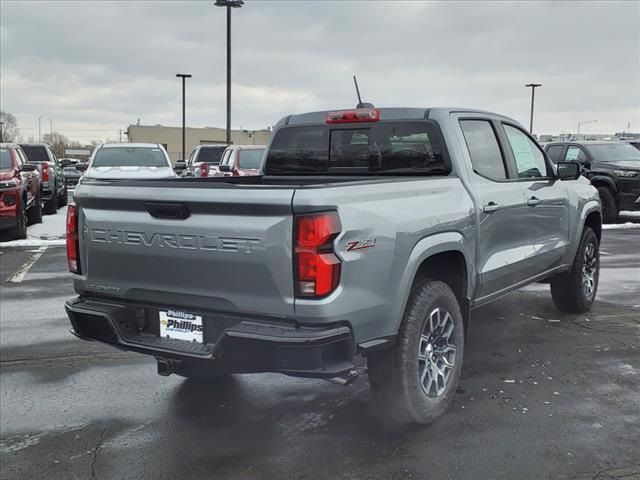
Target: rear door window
<point>575,154</point>
<point>375,148</point>
<point>484,150</point>
<point>211,155</point>
<point>36,153</point>
<point>554,152</point>
<point>529,158</point>
<point>250,158</point>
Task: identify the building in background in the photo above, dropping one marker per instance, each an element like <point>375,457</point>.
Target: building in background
<point>171,137</point>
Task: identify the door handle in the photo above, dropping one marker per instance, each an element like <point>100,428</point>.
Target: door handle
<point>490,207</point>
<point>533,201</point>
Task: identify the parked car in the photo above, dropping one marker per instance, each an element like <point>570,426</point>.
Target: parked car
<point>202,158</point>
<point>20,191</point>
<point>72,172</point>
<point>372,232</point>
<point>54,187</point>
<point>612,167</point>
<point>129,160</point>
<point>239,161</point>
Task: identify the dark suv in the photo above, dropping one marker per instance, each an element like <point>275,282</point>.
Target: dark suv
<point>54,186</point>
<point>612,167</point>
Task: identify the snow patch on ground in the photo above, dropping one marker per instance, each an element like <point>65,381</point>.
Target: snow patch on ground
<point>621,226</point>
<point>50,232</point>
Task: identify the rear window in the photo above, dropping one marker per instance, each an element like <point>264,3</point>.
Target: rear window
<point>211,155</point>
<point>250,158</point>
<point>5,159</point>
<point>130,157</point>
<point>380,148</point>
<point>35,153</point>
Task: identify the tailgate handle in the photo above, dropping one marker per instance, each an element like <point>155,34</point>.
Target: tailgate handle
<point>173,211</point>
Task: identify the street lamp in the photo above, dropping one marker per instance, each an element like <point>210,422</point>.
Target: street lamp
<point>50,130</point>
<point>39,129</point>
<point>533,87</point>
<point>586,122</point>
<point>184,76</point>
<point>229,4</point>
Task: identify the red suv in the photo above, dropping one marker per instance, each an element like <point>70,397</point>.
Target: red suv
<point>20,191</point>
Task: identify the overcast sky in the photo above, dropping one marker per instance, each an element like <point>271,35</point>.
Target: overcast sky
<point>96,67</point>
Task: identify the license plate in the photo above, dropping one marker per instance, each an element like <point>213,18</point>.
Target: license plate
<point>181,325</point>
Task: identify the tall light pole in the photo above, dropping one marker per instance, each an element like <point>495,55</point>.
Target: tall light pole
<point>533,87</point>
<point>184,76</point>
<point>1,132</point>
<point>50,130</point>
<point>229,4</point>
<point>586,122</point>
<point>39,129</point>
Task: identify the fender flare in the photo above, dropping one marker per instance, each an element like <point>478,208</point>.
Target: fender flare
<point>427,247</point>
<point>603,179</point>
<point>589,207</point>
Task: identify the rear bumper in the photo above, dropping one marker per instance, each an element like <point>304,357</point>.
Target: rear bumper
<point>233,344</point>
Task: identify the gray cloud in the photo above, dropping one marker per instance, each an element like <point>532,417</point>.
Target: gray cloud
<point>101,65</point>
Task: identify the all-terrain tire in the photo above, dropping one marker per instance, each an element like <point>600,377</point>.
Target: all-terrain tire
<point>609,206</point>
<point>35,212</point>
<point>51,206</point>
<point>395,374</point>
<point>19,232</point>
<point>568,289</point>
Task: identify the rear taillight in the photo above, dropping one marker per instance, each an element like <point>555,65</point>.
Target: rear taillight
<point>45,172</point>
<point>317,269</point>
<point>204,170</point>
<point>357,115</point>
<point>73,239</point>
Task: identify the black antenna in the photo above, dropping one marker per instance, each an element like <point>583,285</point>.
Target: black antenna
<point>360,103</point>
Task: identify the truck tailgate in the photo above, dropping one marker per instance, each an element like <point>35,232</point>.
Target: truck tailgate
<point>223,248</point>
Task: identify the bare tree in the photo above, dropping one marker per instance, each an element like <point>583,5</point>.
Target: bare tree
<point>57,141</point>
<point>9,125</point>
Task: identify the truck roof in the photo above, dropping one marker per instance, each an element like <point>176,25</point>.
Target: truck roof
<point>388,113</point>
<point>130,145</point>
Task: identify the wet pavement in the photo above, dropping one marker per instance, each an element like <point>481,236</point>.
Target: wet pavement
<point>543,395</point>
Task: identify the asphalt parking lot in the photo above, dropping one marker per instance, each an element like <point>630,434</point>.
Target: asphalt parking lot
<point>543,395</point>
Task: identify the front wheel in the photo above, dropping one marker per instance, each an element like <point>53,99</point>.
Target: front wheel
<point>51,205</point>
<point>19,232</point>
<point>609,206</point>
<point>35,212</point>
<point>575,291</point>
<point>417,379</point>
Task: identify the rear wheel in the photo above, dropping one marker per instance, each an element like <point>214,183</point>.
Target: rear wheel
<point>575,291</point>
<point>609,206</point>
<point>51,205</point>
<point>62,200</point>
<point>417,379</point>
<point>35,212</point>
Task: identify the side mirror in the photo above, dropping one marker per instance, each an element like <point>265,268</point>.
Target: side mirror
<point>224,168</point>
<point>179,166</point>
<point>568,170</point>
<point>81,167</point>
<point>29,167</point>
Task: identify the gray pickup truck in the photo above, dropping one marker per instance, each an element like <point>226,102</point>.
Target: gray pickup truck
<point>371,232</point>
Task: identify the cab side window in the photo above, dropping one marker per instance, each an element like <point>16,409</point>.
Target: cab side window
<point>529,158</point>
<point>484,150</point>
<point>575,154</point>
<point>554,152</point>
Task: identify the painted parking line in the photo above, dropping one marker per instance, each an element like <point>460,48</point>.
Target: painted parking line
<point>19,274</point>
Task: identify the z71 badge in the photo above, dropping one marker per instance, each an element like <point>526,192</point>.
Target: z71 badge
<point>361,245</point>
